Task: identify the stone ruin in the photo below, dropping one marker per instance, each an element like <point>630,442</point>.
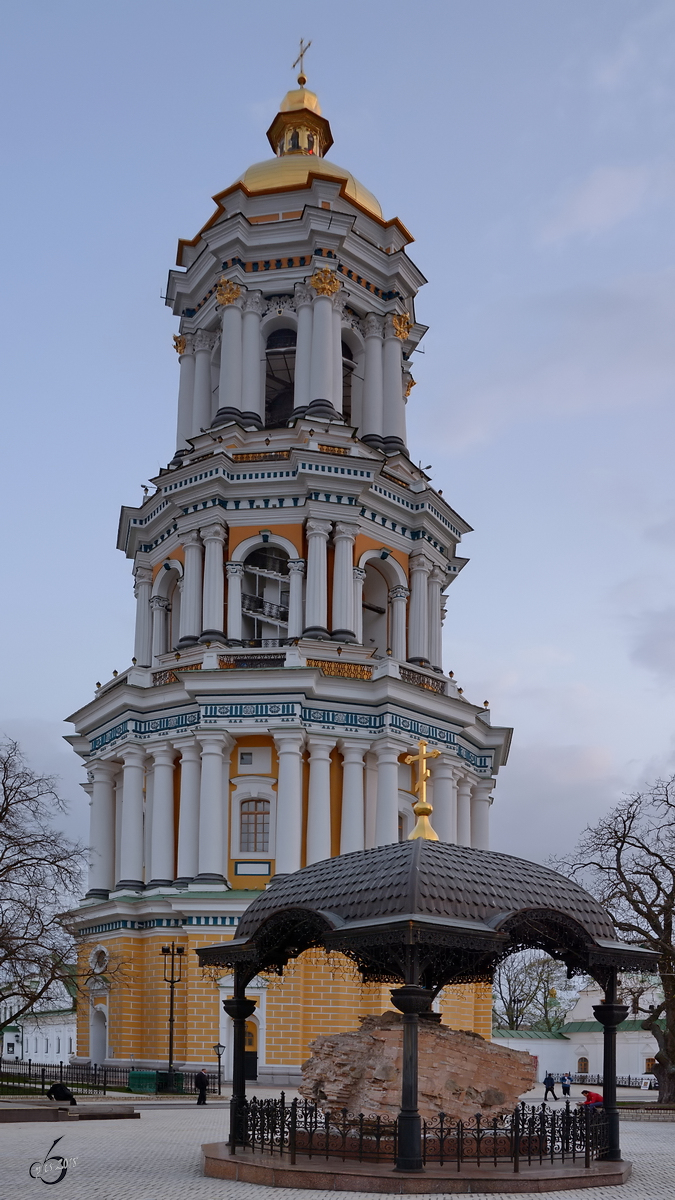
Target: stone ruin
<point>460,1074</point>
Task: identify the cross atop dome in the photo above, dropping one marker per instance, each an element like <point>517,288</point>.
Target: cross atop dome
<point>298,127</point>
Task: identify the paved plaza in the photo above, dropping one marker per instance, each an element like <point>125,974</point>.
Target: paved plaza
<point>158,1158</point>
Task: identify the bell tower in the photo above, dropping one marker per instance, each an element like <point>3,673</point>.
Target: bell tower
<point>290,573</point>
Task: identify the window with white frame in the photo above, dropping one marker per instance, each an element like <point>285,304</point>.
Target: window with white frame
<point>254,835</point>
<point>70,1045</point>
<point>58,1045</point>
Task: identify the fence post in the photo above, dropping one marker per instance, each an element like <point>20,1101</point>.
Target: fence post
<point>587,1136</point>
<point>516,1141</point>
<point>105,1080</point>
<point>293,1130</point>
<point>42,1074</point>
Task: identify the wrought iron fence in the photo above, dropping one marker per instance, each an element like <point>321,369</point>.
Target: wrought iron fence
<point>89,1079</point>
<point>530,1134</point>
<point>629,1081</point>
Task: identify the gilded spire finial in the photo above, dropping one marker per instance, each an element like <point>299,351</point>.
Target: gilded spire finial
<point>304,47</point>
<point>422,809</point>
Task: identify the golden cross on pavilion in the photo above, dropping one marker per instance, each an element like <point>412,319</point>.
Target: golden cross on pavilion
<point>304,47</point>
<point>422,809</point>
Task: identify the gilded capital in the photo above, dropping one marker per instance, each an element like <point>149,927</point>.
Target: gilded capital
<point>179,343</point>
<point>409,386</point>
<point>402,325</point>
<point>325,282</point>
<point>227,291</point>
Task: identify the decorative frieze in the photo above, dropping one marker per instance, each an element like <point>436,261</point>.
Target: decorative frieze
<point>345,670</point>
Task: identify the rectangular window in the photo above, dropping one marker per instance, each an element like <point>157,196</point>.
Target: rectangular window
<point>246,758</point>
<point>255,826</point>
<point>58,1045</point>
<point>70,1045</point>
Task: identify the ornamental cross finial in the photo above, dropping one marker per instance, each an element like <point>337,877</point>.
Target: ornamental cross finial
<point>302,79</point>
<point>422,809</point>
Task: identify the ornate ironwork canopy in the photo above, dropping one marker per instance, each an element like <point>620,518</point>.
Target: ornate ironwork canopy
<point>426,913</point>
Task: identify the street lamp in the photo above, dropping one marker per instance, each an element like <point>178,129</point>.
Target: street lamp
<point>220,1050</point>
<point>170,954</point>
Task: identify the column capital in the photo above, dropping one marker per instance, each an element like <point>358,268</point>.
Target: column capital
<point>133,756</point>
<point>187,747</point>
<point>204,339</point>
<point>191,537</point>
<point>421,562</point>
<point>296,566</point>
<point>161,751</point>
<point>288,739</point>
<point>157,603</point>
<point>438,575</point>
<point>372,325</point>
<point>101,772</point>
<point>234,570</point>
<point>400,325</point>
<point>315,528</point>
<point>447,764</point>
<point>359,574</point>
<point>325,282</point>
<point>344,529</point>
<point>215,739</point>
<point>353,749</point>
<point>319,742</point>
<point>142,574</point>
<point>399,592</point>
<point>303,295</point>
<point>387,747</point>
<point>254,303</point>
<point>338,301</point>
<point>216,532</point>
<point>482,789</point>
<point>183,344</point>
<point>228,292</point>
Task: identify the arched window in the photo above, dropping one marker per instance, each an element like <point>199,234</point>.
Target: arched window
<point>582,1066</point>
<point>265,593</point>
<point>254,837</point>
<point>295,140</point>
<point>279,377</point>
<point>348,366</point>
<point>375,604</point>
<point>649,1066</point>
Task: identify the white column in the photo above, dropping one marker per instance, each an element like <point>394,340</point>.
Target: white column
<point>338,309</point>
<point>162,841</point>
<point>131,851</point>
<point>143,636</point>
<point>321,371</point>
<point>359,577</point>
<point>373,383</point>
<point>102,830</point>
<point>211,803</point>
<point>399,601</point>
<point>353,824</point>
<point>434,585</point>
<point>344,536</point>
<point>444,817</point>
<point>229,388</point>
<point>252,394</point>
<point>188,815</point>
<point>418,625</point>
<point>386,817</point>
<point>235,574</point>
<point>186,388</point>
<point>213,607</point>
<point>191,596</point>
<point>303,349</point>
<point>289,800</point>
<point>296,571</point>
<point>393,425</point>
<point>464,811</point>
<point>480,814</point>
<point>316,599</point>
<point>160,609</point>
<point>318,808</point>
<point>201,411</point>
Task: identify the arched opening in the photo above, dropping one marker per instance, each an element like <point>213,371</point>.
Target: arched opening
<point>348,366</point>
<point>375,602</point>
<point>98,1036</point>
<point>265,593</point>
<point>254,835</point>
<point>582,1065</point>
<point>279,376</point>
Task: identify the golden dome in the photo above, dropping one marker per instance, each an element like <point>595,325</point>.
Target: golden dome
<point>293,171</point>
<point>299,98</point>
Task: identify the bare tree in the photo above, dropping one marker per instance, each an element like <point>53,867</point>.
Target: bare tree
<point>628,861</point>
<point>40,873</point>
<point>531,991</point>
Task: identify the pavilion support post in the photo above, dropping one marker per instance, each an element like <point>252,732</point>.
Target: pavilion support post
<point>239,1009</point>
<point>610,1014</point>
<point>411,1000</point>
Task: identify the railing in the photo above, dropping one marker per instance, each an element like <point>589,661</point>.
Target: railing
<point>629,1081</point>
<point>260,607</point>
<point>27,1077</point>
<point>530,1134</point>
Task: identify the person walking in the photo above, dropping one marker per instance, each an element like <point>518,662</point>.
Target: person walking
<point>565,1083</point>
<point>201,1084</point>
<point>549,1086</point>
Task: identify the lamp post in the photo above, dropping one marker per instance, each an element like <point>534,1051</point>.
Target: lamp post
<point>220,1050</point>
<point>170,954</point>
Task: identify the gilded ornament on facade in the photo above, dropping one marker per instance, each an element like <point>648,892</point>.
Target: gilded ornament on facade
<point>409,386</point>
<point>179,343</point>
<point>227,291</point>
<point>325,282</point>
<point>346,670</point>
<point>402,325</point>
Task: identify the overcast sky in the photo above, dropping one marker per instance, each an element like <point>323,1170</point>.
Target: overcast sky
<point>528,146</point>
